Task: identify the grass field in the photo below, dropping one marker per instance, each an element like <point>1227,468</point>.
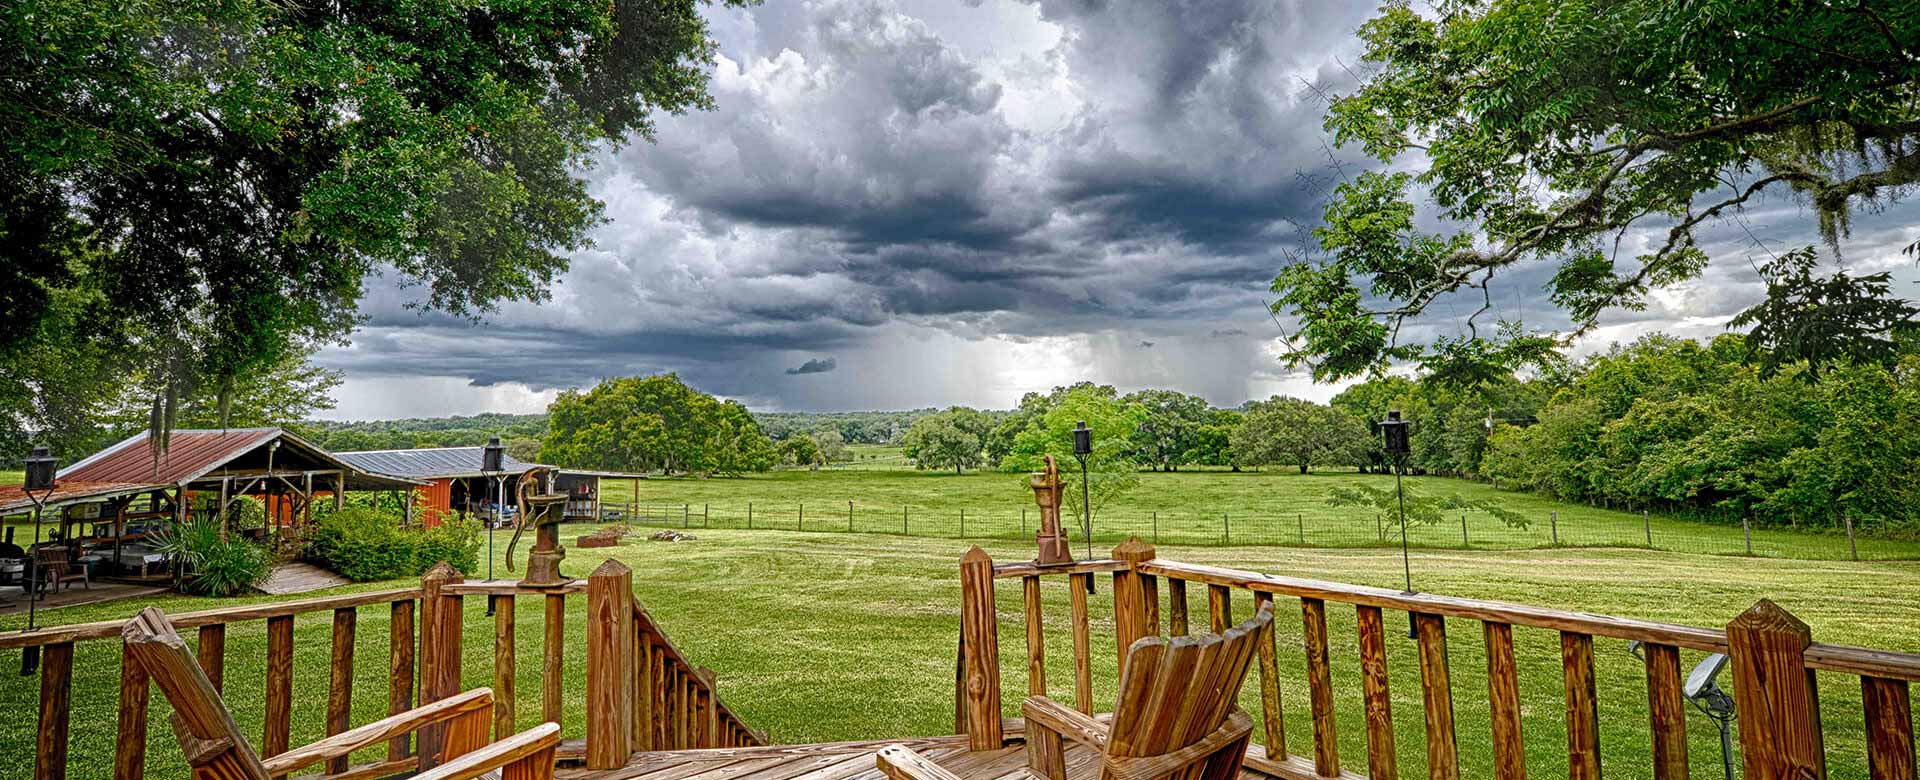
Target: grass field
<point>1190,507</point>
<point>824,637</point>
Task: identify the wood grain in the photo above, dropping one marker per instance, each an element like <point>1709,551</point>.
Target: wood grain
<point>130,740</point>
<point>1666,712</point>
<point>340,679</point>
<point>212,651</point>
<point>56,691</point>
<point>1583,716</point>
<point>1272,716</point>
<point>1889,728</point>
<point>1079,584</point>
<point>503,665</point>
<point>1503,703</point>
<point>980,628</point>
<point>1780,720</point>
<point>1036,637</point>
<point>279,711</point>
<point>1436,694</point>
<point>1326,736</point>
<point>1378,698</point>
<point>400,673</point>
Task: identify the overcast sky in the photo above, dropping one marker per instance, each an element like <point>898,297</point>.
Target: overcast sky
<point>911,203</point>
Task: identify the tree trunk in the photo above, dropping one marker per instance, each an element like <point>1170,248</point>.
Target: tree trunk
<point>1303,468</point>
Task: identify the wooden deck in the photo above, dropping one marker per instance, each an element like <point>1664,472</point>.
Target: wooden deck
<point>839,761</point>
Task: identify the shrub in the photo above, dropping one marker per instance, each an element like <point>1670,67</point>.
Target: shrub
<point>364,545</point>
<point>211,566</point>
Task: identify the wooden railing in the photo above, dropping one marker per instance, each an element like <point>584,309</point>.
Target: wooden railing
<point>669,703</point>
<point>1773,663</point>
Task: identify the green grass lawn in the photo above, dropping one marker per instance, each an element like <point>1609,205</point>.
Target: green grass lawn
<point>1189,507</point>
<point>820,636</point>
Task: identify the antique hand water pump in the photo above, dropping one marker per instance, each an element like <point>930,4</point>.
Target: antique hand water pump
<point>541,511</point>
<point>1046,493</point>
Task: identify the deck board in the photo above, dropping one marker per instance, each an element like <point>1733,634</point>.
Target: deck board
<point>838,761</point>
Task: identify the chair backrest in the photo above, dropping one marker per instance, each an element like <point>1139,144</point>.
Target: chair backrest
<point>201,722</point>
<point>1173,692</point>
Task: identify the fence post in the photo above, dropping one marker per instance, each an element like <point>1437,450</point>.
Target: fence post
<point>903,519</point>
<point>610,641</point>
<point>1156,527</point>
<point>803,517</point>
<point>1226,530</point>
<point>1023,522</point>
<point>1301,517</point>
<point>686,515</point>
<point>1647,524</point>
<point>979,652</point>
<point>1780,710</point>
<point>439,652</point>
<point>706,520</point>
<point>1132,601</point>
<point>749,515</point>
<point>1746,530</point>
<point>849,517</point>
<point>1853,550</point>
<point>963,523</point>
<point>1463,531</point>
<point>1554,517</point>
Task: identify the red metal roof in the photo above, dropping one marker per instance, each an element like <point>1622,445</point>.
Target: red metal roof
<point>189,454</point>
<point>13,498</point>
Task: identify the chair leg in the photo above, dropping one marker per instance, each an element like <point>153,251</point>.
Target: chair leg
<point>1046,751</point>
<point>1225,764</point>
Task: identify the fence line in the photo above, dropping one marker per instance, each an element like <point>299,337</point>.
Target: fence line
<point>1347,528</point>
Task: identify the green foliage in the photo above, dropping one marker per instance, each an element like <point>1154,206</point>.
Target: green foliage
<point>1169,436</point>
<point>1110,469</point>
<point>210,565</point>
<point>854,427</point>
<point>1542,131</point>
<point>1299,433</point>
<point>239,168</point>
<point>1421,509</point>
<point>654,423</point>
<point>1819,321</point>
<point>515,431</point>
<point>954,439</point>
<point>364,545</point>
<point>798,451</point>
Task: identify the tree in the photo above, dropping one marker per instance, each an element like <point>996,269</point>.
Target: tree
<point>656,422</point>
<point>1824,320</point>
<point>525,449</point>
<point>1302,433</point>
<point>952,439</point>
<point>240,168</point>
<point>833,448</point>
<point>799,451</point>
<point>1545,131</point>
<point>1110,471</point>
<point>1166,438</point>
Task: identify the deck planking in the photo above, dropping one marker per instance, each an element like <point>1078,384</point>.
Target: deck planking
<point>839,761</point>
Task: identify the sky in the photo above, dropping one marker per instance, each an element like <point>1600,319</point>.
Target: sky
<point>902,204</point>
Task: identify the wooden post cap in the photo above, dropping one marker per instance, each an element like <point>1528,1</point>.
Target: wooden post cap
<point>611,568</point>
<point>976,555</point>
<point>1133,550</point>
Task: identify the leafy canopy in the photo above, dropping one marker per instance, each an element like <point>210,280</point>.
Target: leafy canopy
<point>1546,130</point>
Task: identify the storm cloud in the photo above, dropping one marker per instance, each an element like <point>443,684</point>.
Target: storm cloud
<point>962,202</point>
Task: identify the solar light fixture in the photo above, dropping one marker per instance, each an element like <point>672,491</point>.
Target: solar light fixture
<point>492,456</point>
<point>1395,430</point>
<point>1082,448</point>
<point>40,478</point>
<point>492,462</point>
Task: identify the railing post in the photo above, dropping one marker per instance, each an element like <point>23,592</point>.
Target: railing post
<point>1130,599</point>
<point>610,642</point>
<point>980,651</point>
<point>439,653</point>
<point>1779,702</point>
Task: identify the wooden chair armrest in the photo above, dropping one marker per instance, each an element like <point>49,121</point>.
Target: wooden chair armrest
<point>1238,726</point>
<point>1069,722</point>
<point>524,745</point>
<point>901,763</point>
<point>379,731</point>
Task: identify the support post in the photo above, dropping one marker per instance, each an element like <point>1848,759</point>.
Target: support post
<point>439,653</point>
<point>610,641</point>
<point>980,651</point>
<point>1130,598</point>
<point>1780,703</point>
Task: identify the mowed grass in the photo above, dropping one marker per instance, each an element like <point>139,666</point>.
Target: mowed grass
<point>819,637</point>
<point>1275,506</point>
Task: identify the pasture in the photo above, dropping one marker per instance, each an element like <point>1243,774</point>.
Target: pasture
<point>1196,507</point>
<point>820,636</point>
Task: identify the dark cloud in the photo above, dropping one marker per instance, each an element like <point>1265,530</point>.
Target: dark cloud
<point>1220,333</point>
<point>815,366</point>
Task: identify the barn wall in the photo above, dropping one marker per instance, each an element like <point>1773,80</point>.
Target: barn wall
<point>432,500</point>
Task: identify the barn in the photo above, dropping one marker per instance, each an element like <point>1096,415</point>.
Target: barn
<point>454,482</point>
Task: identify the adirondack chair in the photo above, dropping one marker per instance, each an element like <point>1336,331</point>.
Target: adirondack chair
<point>1176,716</point>
<point>216,749</point>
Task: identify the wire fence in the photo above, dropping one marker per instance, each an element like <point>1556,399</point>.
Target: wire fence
<point>1335,529</point>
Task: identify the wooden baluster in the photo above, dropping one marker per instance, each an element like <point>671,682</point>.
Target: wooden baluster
<point>676,714</point>
<point>503,664</point>
<point>400,672</point>
<point>1326,738</point>
<point>1219,608</point>
<point>1583,717</point>
<point>1036,649</point>
<point>609,665</point>
<point>279,717</point>
<point>56,691</point>
<point>1271,716</point>
<point>340,679</point>
<point>1130,617</point>
<point>1176,606</point>
<point>440,643</point>
<point>1503,703</point>
<point>1382,762</point>
<point>709,709</point>
<point>643,712</point>
<point>1150,595</point>
<point>1666,712</point>
<point>1889,714</point>
<point>130,741</point>
<point>1079,584</point>
<point>1436,693</point>
<point>212,653</point>
<point>553,658</point>
<point>980,636</point>
<point>1780,717</point>
<point>663,713</point>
